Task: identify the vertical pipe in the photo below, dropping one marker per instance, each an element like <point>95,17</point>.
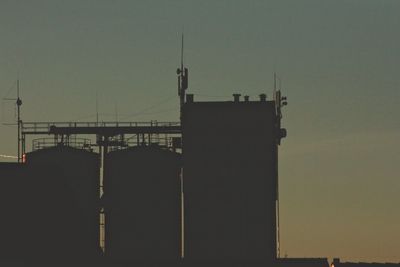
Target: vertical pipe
<point>105,151</point>
<point>19,138</point>
<point>23,144</point>
<point>278,127</point>
<point>182,217</point>
<point>278,241</point>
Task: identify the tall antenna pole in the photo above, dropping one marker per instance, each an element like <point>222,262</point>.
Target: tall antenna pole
<point>182,93</point>
<point>19,122</point>
<point>182,53</point>
<point>116,112</point>
<point>182,86</point>
<point>97,109</point>
<point>182,80</point>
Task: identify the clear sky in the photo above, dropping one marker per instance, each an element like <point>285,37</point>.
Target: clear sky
<point>339,64</point>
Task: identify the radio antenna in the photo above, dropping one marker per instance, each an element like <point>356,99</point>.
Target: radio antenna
<point>19,122</point>
<point>97,108</point>
<point>182,52</point>
<point>183,74</point>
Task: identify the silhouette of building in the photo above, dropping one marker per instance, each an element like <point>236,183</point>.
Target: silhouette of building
<point>302,262</point>
<point>213,205</point>
<point>142,205</point>
<point>336,263</point>
<point>63,214</point>
<point>230,180</point>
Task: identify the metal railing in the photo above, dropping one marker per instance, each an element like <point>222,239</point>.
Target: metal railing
<point>44,127</point>
<point>80,143</point>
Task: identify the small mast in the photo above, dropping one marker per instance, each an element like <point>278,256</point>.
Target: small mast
<point>182,81</point>
<point>19,123</point>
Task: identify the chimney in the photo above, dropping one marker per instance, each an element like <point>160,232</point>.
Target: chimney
<point>189,98</point>
<point>236,98</point>
<point>263,97</point>
<point>246,98</point>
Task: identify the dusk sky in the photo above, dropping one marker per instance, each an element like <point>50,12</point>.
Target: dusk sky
<point>339,65</point>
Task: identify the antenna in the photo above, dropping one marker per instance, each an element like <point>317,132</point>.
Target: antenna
<point>116,112</point>
<point>183,74</point>
<point>182,52</point>
<point>182,86</point>
<point>97,109</point>
<point>20,138</point>
<point>19,122</point>
<point>274,92</point>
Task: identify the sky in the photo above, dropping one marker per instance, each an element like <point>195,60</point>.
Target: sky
<point>338,64</point>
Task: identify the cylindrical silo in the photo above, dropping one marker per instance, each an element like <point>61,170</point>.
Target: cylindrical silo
<point>13,224</point>
<point>63,212</point>
<point>142,205</point>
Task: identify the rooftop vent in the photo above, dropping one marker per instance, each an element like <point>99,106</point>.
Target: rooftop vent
<point>236,97</point>
<point>263,97</point>
<point>189,98</point>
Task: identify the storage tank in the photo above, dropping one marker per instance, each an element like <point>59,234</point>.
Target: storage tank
<point>142,205</point>
<point>63,213</point>
<point>13,199</point>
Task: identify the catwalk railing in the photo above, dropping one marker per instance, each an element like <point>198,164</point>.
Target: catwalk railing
<point>42,143</point>
<point>111,134</point>
<point>101,128</point>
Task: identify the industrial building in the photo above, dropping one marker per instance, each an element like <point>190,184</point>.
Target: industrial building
<point>202,192</point>
<point>230,180</point>
<point>337,263</point>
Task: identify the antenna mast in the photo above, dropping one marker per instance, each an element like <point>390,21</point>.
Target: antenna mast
<point>182,86</point>
<point>182,53</point>
<point>182,81</point>
<point>97,109</point>
<point>19,122</point>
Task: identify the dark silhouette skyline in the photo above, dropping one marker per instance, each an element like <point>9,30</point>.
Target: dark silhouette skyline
<point>337,62</point>
<point>142,203</point>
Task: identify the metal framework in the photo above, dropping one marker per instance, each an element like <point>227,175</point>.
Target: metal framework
<point>108,134</point>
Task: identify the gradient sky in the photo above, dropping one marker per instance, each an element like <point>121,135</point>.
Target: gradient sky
<point>339,64</point>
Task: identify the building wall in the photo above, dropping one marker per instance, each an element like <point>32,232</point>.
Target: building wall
<point>302,262</point>
<point>142,205</point>
<point>230,180</point>
<point>337,263</point>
